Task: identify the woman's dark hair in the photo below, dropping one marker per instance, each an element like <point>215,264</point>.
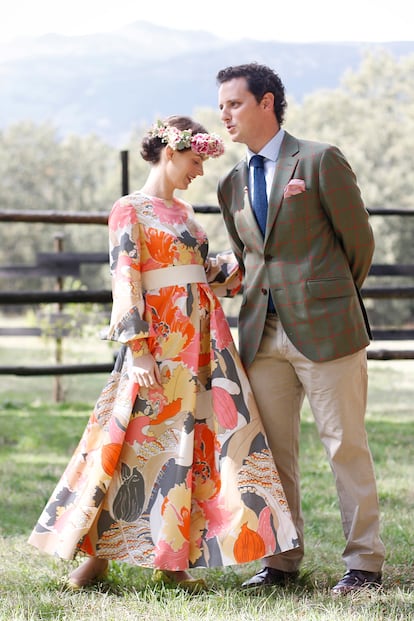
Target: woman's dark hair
<point>260,80</point>
<point>151,146</point>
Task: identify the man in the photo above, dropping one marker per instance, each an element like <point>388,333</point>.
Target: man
<point>302,325</point>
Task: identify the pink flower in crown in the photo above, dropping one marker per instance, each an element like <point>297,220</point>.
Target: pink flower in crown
<point>210,145</point>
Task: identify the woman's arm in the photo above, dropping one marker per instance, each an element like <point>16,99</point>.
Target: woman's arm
<point>224,274</point>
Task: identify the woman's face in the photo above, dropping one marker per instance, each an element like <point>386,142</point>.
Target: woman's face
<point>183,167</point>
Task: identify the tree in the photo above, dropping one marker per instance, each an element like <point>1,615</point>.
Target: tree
<point>371,118</point>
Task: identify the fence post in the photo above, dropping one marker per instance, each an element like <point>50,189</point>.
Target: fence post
<point>124,173</point>
<point>57,386</point>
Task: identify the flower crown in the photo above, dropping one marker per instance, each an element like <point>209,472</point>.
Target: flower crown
<point>209,145</point>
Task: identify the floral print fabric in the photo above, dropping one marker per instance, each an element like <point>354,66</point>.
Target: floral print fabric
<point>182,476</point>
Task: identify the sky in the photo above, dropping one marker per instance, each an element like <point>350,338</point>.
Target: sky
<point>298,21</point>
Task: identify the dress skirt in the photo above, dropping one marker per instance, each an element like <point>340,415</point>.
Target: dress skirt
<point>177,476</point>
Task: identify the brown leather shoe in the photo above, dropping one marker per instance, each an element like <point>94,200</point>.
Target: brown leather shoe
<point>268,577</point>
<point>357,580</point>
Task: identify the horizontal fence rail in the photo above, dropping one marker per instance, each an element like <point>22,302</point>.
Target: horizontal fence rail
<point>57,217</point>
<point>64,264</point>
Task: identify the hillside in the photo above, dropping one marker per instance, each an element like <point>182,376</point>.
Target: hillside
<point>109,83</point>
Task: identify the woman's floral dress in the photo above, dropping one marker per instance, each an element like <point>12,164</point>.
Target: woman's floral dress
<point>182,476</point>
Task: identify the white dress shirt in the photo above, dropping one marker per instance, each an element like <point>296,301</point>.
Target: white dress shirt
<point>271,153</point>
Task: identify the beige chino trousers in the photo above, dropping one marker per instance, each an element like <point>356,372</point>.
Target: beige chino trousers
<point>281,377</point>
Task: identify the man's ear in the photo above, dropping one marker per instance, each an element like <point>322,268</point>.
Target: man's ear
<point>268,101</point>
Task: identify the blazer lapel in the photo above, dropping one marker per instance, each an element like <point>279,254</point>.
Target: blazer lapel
<point>285,169</point>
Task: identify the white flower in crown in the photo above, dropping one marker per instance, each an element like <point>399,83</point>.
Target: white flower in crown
<point>208,145</point>
<point>178,139</point>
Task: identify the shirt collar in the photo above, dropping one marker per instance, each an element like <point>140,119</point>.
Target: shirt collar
<point>271,150</point>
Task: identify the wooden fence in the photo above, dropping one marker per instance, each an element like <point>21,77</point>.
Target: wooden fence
<point>60,264</point>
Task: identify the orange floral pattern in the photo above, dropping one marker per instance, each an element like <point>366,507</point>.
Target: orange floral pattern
<point>179,476</point>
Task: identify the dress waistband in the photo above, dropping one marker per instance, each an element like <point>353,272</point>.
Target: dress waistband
<point>170,276</point>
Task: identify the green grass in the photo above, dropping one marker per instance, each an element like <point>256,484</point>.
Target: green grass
<point>37,437</point>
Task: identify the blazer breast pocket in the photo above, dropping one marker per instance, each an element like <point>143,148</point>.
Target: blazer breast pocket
<point>299,201</point>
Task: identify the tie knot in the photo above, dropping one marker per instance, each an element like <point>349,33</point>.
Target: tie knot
<point>257,161</point>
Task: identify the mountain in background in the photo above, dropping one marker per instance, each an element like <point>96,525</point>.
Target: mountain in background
<point>109,83</point>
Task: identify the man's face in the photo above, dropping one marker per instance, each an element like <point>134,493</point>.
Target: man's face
<point>240,112</point>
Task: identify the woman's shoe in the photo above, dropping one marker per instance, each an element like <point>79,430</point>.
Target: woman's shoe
<point>92,570</point>
<point>192,585</point>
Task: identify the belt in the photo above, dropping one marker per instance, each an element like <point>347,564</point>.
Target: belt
<point>170,276</point>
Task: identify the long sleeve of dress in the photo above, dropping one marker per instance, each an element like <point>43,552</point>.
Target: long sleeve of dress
<point>223,274</point>
<point>127,325</point>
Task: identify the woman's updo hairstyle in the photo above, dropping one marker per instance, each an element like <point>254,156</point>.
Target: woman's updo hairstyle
<point>151,146</point>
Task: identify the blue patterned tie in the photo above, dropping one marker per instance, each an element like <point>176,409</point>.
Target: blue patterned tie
<point>259,191</point>
<point>260,202</point>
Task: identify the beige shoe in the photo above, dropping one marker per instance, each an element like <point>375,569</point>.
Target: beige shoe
<point>92,570</point>
<point>192,585</point>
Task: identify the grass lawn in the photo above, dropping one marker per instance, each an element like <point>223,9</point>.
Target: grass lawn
<point>37,437</point>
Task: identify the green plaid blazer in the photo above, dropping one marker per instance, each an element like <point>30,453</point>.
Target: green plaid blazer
<point>315,255</point>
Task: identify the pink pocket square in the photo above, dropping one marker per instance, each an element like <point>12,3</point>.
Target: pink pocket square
<point>295,186</point>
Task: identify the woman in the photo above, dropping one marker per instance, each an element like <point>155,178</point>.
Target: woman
<point>173,470</point>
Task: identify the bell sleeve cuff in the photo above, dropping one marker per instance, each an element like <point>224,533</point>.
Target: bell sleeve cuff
<point>223,274</point>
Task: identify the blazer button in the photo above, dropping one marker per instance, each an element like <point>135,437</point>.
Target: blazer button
<point>264,291</point>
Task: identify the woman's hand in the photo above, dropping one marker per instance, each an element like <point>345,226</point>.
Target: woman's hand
<point>145,371</point>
